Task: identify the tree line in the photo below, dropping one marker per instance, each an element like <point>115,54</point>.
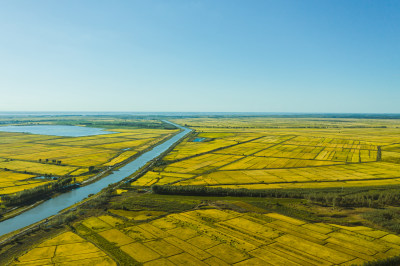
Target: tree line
<point>36,193</point>
<point>335,197</point>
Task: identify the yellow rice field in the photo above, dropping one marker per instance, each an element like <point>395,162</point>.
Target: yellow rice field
<point>282,153</point>
<point>65,249</point>
<point>219,237</point>
<point>25,156</point>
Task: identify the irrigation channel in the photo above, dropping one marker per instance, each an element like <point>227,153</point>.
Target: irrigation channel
<point>65,200</point>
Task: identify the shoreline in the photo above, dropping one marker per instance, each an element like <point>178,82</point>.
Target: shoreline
<point>8,237</point>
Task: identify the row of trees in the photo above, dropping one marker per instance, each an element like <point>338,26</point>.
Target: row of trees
<point>133,124</point>
<point>37,193</point>
<point>51,161</point>
<point>343,197</point>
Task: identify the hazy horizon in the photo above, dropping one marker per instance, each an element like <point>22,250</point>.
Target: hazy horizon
<point>200,56</point>
<point>189,113</point>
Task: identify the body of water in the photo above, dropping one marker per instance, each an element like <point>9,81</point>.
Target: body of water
<point>56,204</point>
<point>57,130</point>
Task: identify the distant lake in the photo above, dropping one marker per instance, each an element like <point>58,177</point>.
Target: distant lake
<point>57,130</point>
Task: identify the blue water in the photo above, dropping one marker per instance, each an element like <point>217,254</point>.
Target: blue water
<point>199,139</point>
<point>57,130</point>
<point>56,204</point>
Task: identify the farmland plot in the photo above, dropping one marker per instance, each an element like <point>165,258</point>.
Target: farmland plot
<point>219,237</point>
<point>65,249</point>
<point>26,156</point>
<point>285,157</point>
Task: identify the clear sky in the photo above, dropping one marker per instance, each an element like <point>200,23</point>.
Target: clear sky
<point>192,55</point>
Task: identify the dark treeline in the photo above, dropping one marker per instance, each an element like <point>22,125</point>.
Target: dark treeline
<point>388,218</point>
<point>336,197</point>
<point>36,193</point>
<point>393,261</point>
<point>132,124</point>
<point>119,121</point>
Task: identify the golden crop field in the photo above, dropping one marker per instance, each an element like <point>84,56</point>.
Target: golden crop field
<point>11,182</point>
<point>137,226</point>
<point>282,122</point>
<point>257,152</point>
<point>65,249</point>
<point>26,156</point>
<point>216,237</point>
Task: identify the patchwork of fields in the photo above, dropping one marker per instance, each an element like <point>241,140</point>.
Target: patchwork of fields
<point>65,249</point>
<point>262,158</point>
<point>132,226</point>
<point>26,156</point>
<point>216,237</point>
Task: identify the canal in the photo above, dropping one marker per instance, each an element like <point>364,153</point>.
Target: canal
<point>65,200</point>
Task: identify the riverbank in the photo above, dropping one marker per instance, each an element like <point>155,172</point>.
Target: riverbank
<point>54,205</point>
<point>29,204</point>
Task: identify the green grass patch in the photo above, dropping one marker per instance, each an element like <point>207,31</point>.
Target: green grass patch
<point>121,257</point>
<point>387,218</point>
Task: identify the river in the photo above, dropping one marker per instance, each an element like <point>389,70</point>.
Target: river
<point>65,200</point>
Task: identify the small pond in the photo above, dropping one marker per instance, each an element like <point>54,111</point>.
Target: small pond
<point>57,130</point>
<point>199,139</point>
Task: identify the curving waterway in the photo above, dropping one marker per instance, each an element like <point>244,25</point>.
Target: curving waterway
<point>56,204</point>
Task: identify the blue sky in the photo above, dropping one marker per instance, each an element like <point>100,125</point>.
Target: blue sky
<point>211,56</point>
